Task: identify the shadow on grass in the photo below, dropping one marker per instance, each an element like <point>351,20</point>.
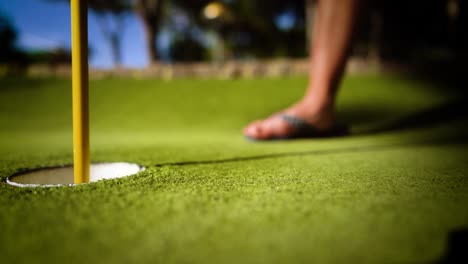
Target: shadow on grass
<point>455,139</point>
<point>451,111</point>
<point>446,76</point>
<point>457,248</point>
<point>20,83</point>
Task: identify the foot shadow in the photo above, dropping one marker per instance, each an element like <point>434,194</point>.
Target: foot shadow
<point>450,111</point>
<point>457,248</point>
<point>445,77</point>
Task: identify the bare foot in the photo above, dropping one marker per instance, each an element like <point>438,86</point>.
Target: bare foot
<point>322,118</point>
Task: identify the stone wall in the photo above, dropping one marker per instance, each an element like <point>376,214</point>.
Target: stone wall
<point>206,70</point>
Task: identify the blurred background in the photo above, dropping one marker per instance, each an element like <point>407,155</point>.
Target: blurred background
<point>164,36</point>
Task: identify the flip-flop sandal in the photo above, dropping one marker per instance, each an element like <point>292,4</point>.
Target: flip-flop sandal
<point>305,130</point>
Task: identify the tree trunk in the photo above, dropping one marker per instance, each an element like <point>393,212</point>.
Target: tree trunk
<point>150,13</point>
<point>113,36</point>
<point>115,46</point>
<point>150,35</point>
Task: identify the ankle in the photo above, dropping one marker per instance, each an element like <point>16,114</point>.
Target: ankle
<point>319,104</point>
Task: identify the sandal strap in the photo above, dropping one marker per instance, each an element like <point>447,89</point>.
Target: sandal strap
<point>296,122</point>
<point>305,129</point>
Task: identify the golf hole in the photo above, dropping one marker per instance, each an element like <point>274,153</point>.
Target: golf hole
<point>63,176</point>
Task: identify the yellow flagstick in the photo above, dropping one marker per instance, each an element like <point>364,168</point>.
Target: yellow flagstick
<point>81,160</point>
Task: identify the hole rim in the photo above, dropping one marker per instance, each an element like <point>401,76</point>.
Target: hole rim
<point>9,179</point>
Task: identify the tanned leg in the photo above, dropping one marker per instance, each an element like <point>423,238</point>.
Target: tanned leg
<point>333,31</point>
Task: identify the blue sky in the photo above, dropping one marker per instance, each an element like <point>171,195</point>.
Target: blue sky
<point>44,25</point>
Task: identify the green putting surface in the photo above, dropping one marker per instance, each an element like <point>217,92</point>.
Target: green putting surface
<point>394,192</point>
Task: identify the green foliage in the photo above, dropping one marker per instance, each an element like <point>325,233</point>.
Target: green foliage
<point>186,49</point>
<point>104,6</point>
<point>112,6</point>
<point>8,34</point>
<point>53,57</point>
<point>13,61</point>
<point>248,27</point>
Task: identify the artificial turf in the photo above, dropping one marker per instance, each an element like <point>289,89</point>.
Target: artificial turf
<point>396,191</point>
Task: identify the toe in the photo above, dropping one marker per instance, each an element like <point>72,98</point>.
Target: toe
<point>270,128</point>
<point>274,128</point>
<point>253,130</point>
